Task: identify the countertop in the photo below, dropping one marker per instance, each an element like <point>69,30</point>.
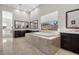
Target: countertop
<point>25,29</point>
<point>70,31</point>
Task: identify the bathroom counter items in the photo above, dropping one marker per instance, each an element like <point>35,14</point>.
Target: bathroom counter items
<point>48,45</point>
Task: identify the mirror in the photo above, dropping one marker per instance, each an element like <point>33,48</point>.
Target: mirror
<point>34,24</point>
<point>21,24</point>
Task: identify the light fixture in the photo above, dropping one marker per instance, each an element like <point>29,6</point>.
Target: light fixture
<point>23,12</point>
<point>17,11</point>
<point>18,8</point>
<point>36,9</point>
<point>4,40</point>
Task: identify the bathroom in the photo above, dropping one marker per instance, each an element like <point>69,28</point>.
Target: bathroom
<point>37,29</point>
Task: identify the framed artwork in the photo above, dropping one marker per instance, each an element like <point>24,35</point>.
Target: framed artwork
<point>72,19</point>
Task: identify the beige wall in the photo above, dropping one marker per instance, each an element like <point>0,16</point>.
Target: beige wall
<point>43,10</point>
<point>49,8</point>
<point>23,16</point>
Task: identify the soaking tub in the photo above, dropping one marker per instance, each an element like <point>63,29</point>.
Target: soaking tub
<point>47,42</point>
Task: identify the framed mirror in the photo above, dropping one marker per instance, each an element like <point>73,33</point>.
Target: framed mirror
<point>34,24</point>
<point>21,24</point>
<point>72,19</point>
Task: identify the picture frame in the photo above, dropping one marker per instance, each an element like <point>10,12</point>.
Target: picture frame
<point>72,19</point>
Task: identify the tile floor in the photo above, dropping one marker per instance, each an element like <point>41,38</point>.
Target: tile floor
<point>65,52</point>
<point>19,46</point>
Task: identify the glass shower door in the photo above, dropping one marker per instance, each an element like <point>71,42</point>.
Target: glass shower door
<point>7,23</point>
<point>7,32</point>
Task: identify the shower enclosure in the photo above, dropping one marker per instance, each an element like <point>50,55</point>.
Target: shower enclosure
<point>7,23</point>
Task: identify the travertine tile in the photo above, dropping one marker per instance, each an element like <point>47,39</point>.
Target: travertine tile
<point>21,46</point>
<point>64,52</point>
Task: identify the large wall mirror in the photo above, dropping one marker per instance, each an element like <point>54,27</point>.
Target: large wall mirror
<point>21,24</point>
<point>72,19</point>
<point>34,24</point>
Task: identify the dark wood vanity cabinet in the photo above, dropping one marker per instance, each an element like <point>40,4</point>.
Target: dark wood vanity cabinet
<point>70,41</point>
<point>19,33</point>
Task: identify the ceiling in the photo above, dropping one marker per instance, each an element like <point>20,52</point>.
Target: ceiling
<point>23,7</point>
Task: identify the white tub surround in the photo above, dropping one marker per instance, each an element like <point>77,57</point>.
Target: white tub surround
<point>46,35</point>
<point>49,43</point>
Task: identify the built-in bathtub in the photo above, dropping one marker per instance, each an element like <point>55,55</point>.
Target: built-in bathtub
<point>47,35</point>
<point>49,43</point>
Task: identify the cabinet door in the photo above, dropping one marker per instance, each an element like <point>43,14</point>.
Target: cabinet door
<point>70,42</point>
<point>75,44</point>
<point>66,42</point>
<point>16,34</point>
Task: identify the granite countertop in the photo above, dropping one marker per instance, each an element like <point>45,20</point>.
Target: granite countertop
<point>25,29</point>
<point>70,31</point>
